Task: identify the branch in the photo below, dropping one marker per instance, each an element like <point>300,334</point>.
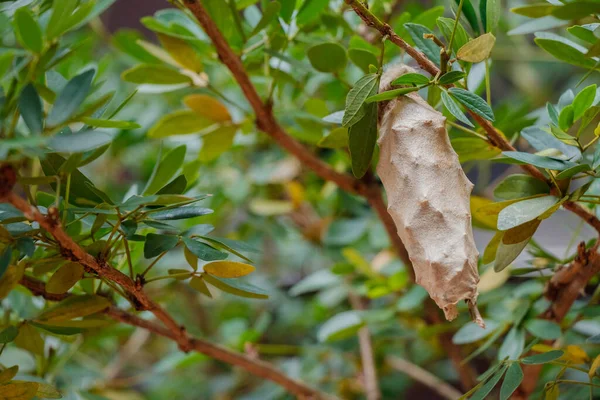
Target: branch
<point>267,123</point>
<point>424,377</point>
<point>366,354</point>
<point>566,285</point>
<point>562,290</point>
<point>251,365</point>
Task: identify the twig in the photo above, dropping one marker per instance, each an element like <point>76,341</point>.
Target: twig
<point>366,354</point>
<point>267,123</point>
<point>424,377</point>
<point>255,367</point>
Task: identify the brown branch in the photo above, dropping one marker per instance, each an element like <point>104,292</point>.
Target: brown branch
<point>424,377</point>
<point>267,123</point>
<point>562,290</point>
<point>367,355</point>
<point>252,365</point>
<point>566,285</point>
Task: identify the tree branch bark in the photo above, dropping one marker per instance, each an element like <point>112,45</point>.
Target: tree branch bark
<point>265,121</point>
<point>424,377</point>
<point>253,366</point>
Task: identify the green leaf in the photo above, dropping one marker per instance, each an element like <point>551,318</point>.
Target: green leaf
<point>513,344</point>
<point>390,94</point>
<point>564,50</point>
<point>461,37</point>
<point>362,137</point>
<point>165,170</point>
<point>203,251</point>
<point>493,11</point>
<point>570,172</point>
<point>236,287</point>
<point>524,211</point>
<point>454,108</point>
<point>269,14</point>
<point>364,87</point>
<point>80,193</point>
<point>228,269</point>
<point>473,103</point>
<point>70,98</point>
<point>180,213</point>
<point>478,49</point>
<point>64,278</point>
<point>310,10</point>
<point>576,10</point>
<point>485,390</point>
<point>451,77</point>
<point>183,54</point>
<point>471,332</point>
<point>232,246</point>
<point>543,329</point>
<point>565,121</point>
<point>327,57</point>
<point>335,139</point>
<point>75,307</point>
<point>412,78</point>
<point>470,14</point>
<point>512,380</point>
<point>363,58</point>
<point>540,161</point>
<point>518,186</point>
<point>507,253</point>
<point>427,46</point>
<point>182,122</point>
<point>155,74</point>
<point>198,283</point>
<point>534,10</point>
<point>109,123</point>
<point>80,142</point>
<point>8,334</point>
<point>45,391</point>
<point>340,326</point>
<point>30,106</point>
<point>583,101</point>
<point>5,258</point>
<point>156,244</point>
<point>543,358</point>
<point>27,30</point>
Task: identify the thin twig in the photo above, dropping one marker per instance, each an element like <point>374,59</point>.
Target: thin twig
<point>424,377</point>
<point>253,366</point>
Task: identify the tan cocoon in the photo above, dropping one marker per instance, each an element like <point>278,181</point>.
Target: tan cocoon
<point>428,198</point>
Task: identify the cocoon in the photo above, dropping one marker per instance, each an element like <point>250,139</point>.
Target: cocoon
<point>428,198</point>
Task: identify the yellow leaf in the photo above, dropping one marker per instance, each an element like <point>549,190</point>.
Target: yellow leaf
<point>267,207</point>
<point>520,233</point>
<point>18,391</point>
<point>552,393</point>
<point>181,122</point>
<point>217,142</point>
<point>208,107</point>
<point>594,367</point>
<point>8,374</point>
<point>64,278</point>
<point>228,269</point>
<point>478,49</point>
<point>10,279</point>
<point>184,54</point>
<point>489,254</point>
<point>75,307</point>
<point>597,130</point>
<point>491,279</point>
<point>296,192</point>
<point>30,339</point>
<point>198,284</point>
<point>575,354</point>
<point>485,211</point>
<point>542,348</point>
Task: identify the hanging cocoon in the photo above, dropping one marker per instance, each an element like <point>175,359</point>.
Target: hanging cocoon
<point>428,198</point>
